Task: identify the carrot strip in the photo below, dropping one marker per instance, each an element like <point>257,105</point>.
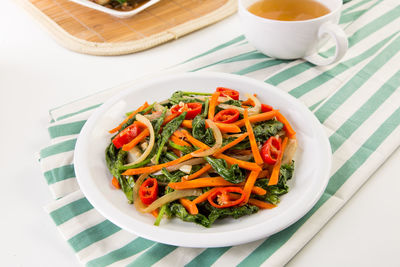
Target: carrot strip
<point>170,118</point>
<point>259,117</point>
<point>261,204</point>
<point>242,164</point>
<point>158,167</point>
<point>204,196</point>
<point>255,202</point>
<point>253,142</point>
<point>155,213</point>
<point>248,102</point>
<point>231,144</point>
<point>136,140</point>
<point>179,141</point>
<point>179,134</point>
<point>288,128</point>
<point>249,185</point>
<point>115,183</point>
<point>263,174</point>
<point>187,124</point>
<point>258,191</point>
<point>202,182</point>
<point>205,169</point>
<point>212,105</point>
<point>189,206</point>
<point>273,180</point>
<point>224,127</point>
<point>116,129</point>
<point>194,141</point>
<point>176,152</point>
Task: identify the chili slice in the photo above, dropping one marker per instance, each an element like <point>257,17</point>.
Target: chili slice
<point>192,109</point>
<point>271,150</point>
<point>221,195</point>
<point>228,92</point>
<point>148,191</point>
<point>227,116</point>
<point>126,135</point>
<point>266,108</point>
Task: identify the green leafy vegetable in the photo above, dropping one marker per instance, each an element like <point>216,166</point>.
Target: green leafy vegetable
<point>158,123</point>
<point>264,130</point>
<point>232,102</point>
<point>180,96</point>
<point>184,149</point>
<point>235,212</point>
<point>233,174</point>
<point>179,211</point>
<point>168,130</point>
<point>200,132</point>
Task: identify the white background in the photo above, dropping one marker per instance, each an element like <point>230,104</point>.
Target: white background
<point>37,74</point>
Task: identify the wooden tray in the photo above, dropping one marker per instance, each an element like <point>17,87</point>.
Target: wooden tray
<point>89,31</point>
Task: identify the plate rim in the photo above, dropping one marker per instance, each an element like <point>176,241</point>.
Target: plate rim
<point>215,239</point>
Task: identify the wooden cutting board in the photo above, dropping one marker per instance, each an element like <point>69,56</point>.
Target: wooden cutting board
<point>89,31</point>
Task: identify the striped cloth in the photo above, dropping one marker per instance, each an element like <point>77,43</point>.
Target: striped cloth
<point>356,100</point>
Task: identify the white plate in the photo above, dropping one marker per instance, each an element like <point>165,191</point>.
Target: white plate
<point>113,12</point>
<point>313,161</point>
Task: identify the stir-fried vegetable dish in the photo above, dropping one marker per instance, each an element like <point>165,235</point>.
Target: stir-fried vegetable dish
<point>202,157</point>
<point>121,5</point>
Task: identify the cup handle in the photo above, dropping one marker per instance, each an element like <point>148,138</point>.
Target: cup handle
<point>341,45</point>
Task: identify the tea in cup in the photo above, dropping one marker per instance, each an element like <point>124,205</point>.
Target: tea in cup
<point>291,29</point>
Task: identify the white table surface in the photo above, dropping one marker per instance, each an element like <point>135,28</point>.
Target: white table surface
<point>37,74</point>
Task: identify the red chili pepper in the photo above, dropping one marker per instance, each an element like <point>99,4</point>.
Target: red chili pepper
<point>227,116</point>
<point>221,195</point>
<point>228,92</point>
<point>192,109</point>
<point>148,191</point>
<point>266,108</point>
<point>271,150</point>
<point>126,135</point>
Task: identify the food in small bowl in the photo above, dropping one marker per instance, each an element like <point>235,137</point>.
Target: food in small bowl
<point>202,157</point>
<point>121,5</point>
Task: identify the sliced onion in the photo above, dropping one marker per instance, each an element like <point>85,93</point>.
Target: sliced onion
<point>190,162</point>
<point>218,141</point>
<point>134,154</point>
<point>145,121</point>
<point>252,111</point>
<point>153,116</point>
<point>177,194</point>
<point>158,107</point>
<point>242,157</point>
<point>289,151</point>
<point>186,168</point>
<point>257,105</point>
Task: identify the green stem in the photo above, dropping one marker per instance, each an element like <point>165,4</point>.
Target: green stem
<point>140,164</point>
<point>195,93</point>
<point>160,215</point>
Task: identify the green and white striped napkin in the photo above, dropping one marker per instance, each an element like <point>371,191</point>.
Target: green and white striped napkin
<point>357,101</point>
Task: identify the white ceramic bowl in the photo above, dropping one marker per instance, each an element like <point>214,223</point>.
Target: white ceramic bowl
<point>313,161</point>
<point>113,12</point>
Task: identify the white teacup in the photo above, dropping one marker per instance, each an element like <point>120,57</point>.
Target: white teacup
<point>295,39</point>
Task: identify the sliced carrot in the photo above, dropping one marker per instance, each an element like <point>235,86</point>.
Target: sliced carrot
<point>242,164</point>
<point>204,196</point>
<point>155,213</point>
<point>179,134</point>
<point>261,204</point>
<point>202,182</point>
<point>213,104</point>
<point>228,127</point>
<point>288,128</point>
<point>231,144</point>
<point>179,141</point>
<point>170,118</point>
<point>263,174</point>
<point>189,206</point>
<point>115,183</point>
<point>176,152</point>
<point>259,117</point>
<point>136,140</point>
<point>258,191</point>
<point>223,127</point>
<point>203,170</point>
<point>248,102</point>
<point>158,167</point>
<point>187,124</point>
<point>253,142</point>
<point>194,141</point>
<point>273,180</point>
<point>248,187</point>
<point>116,129</point>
